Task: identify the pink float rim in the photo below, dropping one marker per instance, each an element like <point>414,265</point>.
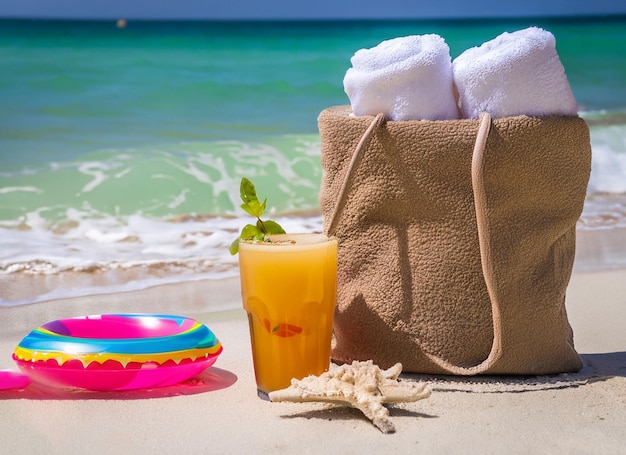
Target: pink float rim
<point>117,351</point>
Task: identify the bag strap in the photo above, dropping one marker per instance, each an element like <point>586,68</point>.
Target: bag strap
<point>378,122</point>
<point>484,241</point>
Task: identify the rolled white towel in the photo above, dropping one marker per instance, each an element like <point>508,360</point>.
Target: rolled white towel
<point>406,78</point>
<point>514,74</point>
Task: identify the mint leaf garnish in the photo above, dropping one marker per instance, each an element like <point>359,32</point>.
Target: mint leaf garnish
<point>251,204</point>
<point>270,227</point>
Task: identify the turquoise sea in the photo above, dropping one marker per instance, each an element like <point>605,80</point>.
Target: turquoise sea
<point>121,149</point>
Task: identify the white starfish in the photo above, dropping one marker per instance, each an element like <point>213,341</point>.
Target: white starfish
<point>361,385</point>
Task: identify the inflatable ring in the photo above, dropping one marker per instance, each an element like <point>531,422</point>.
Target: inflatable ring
<point>117,351</point>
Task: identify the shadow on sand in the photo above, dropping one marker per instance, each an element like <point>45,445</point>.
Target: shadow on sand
<point>208,381</point>
<point>596,367</point>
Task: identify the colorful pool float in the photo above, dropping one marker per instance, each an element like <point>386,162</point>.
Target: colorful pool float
<point>117,351</point>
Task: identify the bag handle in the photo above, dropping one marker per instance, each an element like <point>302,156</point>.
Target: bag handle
<point>378,122</point>
<point>484,241</point>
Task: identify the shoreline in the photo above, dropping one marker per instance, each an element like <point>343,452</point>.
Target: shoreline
<point>596,250</point>
<point>187,298</point>
<point>600,249</point>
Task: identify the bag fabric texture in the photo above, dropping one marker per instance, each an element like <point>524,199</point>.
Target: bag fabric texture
<point>456,240</point>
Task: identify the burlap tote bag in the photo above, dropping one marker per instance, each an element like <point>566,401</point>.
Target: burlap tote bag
<point>456,240</point>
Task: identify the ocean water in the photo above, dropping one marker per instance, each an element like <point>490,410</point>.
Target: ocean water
<point>121,150</point>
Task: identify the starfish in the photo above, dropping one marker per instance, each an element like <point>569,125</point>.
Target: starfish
<point>361,385</point>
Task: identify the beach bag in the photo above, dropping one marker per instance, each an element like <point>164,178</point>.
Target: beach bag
<point>456,240</point>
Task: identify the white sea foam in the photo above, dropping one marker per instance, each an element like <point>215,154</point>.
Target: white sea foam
<point>608,173</point>
<point>13,189</point>
<point>114,254</point>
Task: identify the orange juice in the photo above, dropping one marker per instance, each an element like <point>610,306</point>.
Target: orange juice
<point>289,289</point>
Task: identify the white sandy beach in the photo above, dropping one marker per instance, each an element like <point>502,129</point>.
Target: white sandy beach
<point>219,412</point>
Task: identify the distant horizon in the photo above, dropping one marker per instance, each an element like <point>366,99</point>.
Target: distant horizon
<point>568,18</point>
<point>287,10</point>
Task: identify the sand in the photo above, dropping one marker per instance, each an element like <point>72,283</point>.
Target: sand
<point>219,412</point>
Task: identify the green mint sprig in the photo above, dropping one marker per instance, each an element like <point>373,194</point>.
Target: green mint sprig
<point>260,231</point>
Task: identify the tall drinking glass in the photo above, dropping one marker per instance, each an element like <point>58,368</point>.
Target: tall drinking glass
<point>289,289</point>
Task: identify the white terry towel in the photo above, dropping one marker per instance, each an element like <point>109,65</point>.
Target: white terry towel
<point>406,78</point>
<point>514,74</point>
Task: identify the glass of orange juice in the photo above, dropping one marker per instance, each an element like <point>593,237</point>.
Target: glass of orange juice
<point>289,289</point>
